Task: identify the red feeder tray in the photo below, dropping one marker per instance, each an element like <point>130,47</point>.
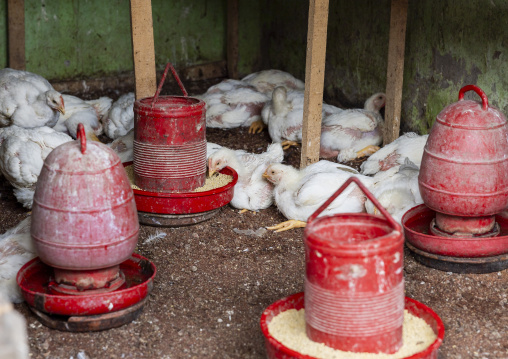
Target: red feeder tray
<point>276,350</point>
<point>87,312</point>
<point>182,208</point>
<point>455,254</point>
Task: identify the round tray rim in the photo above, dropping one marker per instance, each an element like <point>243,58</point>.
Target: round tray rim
<point>66,310</point>
<point>298,297</point>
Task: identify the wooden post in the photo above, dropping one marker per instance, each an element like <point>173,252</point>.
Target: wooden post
<point>16,29</point>
<point>143,48</point>
<point>314,81</point>
<point>395,71</point>
<point>232,41</point>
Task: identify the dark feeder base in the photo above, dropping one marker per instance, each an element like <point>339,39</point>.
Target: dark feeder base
<point>458,264</point>
<point>91,311</point>
<point>161,209</point>
<point>454,254</point>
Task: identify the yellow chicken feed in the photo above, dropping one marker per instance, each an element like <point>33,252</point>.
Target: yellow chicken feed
<point>216,181</point>
<point>288,328</point>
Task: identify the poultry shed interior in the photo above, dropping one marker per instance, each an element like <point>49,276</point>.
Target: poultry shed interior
<point>216,277</point>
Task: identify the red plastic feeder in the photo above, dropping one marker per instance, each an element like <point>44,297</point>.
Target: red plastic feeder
<point>183,208</point>
<point>84,227</point>
<point>277,350</point>
<point>169,141</point>
<point>170,161</point>
<point>464,185</point>
<point>354,285</point>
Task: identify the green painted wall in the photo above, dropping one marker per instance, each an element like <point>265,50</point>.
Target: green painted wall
<point>87,38</point>
<point>448,44</point>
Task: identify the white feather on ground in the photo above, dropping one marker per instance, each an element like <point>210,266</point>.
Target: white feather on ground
<point>28,100</point>
<point>120,117</point>
<point>299,193</point>
<point>267,80</point>
<point>346,133</point>
<point>16,249</point>
<point>22,154</point>
<point>232,104</point>
<point>397,190</point>
<point>409,145</point>
<point>252,192</point>
<point>89,113</point>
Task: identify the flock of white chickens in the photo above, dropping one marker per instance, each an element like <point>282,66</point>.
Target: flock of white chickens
<point>34,119</point>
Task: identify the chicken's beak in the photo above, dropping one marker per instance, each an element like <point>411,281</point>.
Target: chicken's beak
<point>210,172</point>
<point>265,175</point>
<point>376,211</point>
<point>61,109</point>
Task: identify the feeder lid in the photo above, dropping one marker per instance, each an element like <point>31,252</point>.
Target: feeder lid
<point>471,114</point>
<point>69,157</point>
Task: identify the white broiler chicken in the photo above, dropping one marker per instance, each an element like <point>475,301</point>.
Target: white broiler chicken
<point>123,146</point>
<point>232,104</point>
<point>13,333</point>
<point>284,116</point>
<point>396,190</point>
<point>120,118</point>
<point>28,100</point>
<point>252,192</point>
<point>89,113</point>
<point>409,145</point>
<point>299,193</point>
<point>353,133</point>
<point>16,249</point>
<point>267,80</point>
<point>22,154</point>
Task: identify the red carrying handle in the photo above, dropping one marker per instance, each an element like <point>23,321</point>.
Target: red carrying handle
<point>369,195</point>
<point>80,135</point>
<point>485,100</point>
<point>175,75</point>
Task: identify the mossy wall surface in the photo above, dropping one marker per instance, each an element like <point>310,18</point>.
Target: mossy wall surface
<point>448,44</point>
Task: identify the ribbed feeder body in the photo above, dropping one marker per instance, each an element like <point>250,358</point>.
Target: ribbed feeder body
<point>84,216</point>
<point>354,285</point>
<point>169,144</point>
<point>465,165</point>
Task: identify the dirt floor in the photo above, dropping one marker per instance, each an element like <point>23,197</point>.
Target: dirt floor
<point>213,283</point>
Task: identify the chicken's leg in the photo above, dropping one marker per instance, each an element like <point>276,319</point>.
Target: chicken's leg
<point>367,151</point>
<point>242,211</point>
<point>257,127</point>
<point>287,144</point>
<point>284,226</point>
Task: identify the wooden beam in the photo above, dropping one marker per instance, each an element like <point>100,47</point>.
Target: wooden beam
<point>395,71</point>
<point>232,41</point>
<point>16,29</point>
<point>314,81</point>
<point>143,48</point>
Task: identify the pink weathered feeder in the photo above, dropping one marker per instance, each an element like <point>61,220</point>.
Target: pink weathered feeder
<point>354,285</point>
<point>463,182</point>
<point>169,141</point>
<point>85,227</point>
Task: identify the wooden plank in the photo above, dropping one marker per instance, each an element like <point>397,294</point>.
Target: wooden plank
<point>16,29</point>
<point>232,40</point>
<point>314,81</point>
<point>143,50</point>
<point>395,71</point>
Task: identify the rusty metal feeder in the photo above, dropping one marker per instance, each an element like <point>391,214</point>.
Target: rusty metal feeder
<point>85,229</point>
<point>464,184</point>
<point>170,160</point>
